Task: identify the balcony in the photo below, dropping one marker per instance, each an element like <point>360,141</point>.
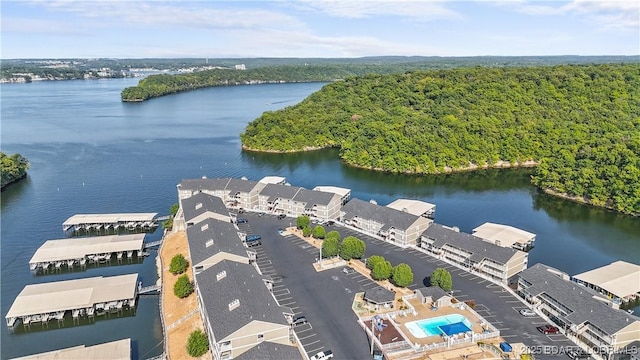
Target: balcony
<point>226,346</point>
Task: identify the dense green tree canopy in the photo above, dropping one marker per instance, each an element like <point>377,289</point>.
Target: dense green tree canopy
<point>319,232</point>
<point>306,231</point>
<point>447,120</point>
<point>402,275</point>
<point>442,278</point>
<point>302,221</point>
<point>330,247</point>
<point>13,167</point>
<point>373,260</point>
<point>352,248</point>
<point>381,271</point>
<point>333,234</point>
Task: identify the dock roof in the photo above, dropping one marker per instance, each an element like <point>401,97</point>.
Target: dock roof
<point>580,301</point>
<point>201,203</point>
<point>479,249</point>
<point>273,180</point>
<point>415,207</point>
<point>77,248</point>
<point>384,215</point>
<point>334,189</point>
<point>243,283</point>
<point>619,278</point>
<point>79,219</point>
<point>114,350</point>
<point>225,239</point>
<point>72,294</point>
<point>503,235</point>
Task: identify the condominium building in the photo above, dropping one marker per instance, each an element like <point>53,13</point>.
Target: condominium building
<point>235,193</point>
<point>581,312</point>
<point>199,207</point>
<point>470,252</point>
<point>392,225</point>
<point>295,201</point>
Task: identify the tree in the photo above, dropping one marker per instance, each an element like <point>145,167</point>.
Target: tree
<point>173,210</point>
<point>442,278</point>
<point>178,264</point>
<point>183,287</point>
<point>318,232</point>
<point>373,260</point>
<point>306,231</point>
<point>302,221</point>
<point>402,275</point>
<point>382,270</point>
<point>332,235</point>
<point>352,248</point>
<point>330,247</point>
<point>197,344</point>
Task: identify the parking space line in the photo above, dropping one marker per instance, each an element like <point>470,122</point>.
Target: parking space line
<point>314,351</point>
<point>514,301</point>
<point>313,342</point>
<point>507,336</point>
<point>284,299</point>
<point>306,337</point>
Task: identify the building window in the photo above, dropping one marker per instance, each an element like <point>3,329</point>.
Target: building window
<point>234,304</point>
<point>198,206</point>
<point>204,227</point>
<point>221,275</point>
<point>209,243</point>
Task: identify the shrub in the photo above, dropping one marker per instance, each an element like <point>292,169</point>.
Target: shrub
<point>319,232</point>
<point>197,344</point>
<point>352,248</point>
<point>183,287</point>
<point>306,231</point>
<point>373,260</point>
<point>381,271</point>
<point>402,275</point>
<point>178,264</point>
<point>471,304</point>
<point>173,210</point>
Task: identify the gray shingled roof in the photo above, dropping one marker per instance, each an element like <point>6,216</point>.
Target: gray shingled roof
<point>225,238</point>
<point>242,282</point>
<point>270,351</point>
<point>379,295</point>
<point>312,197</point>
<point>274,191</point>
<point>478,248</point>
<point>199,184</point>
<point>209,203</point>
<point>576,297</point>
<point>434,291</point>
<point>384,215</point>
<point>239,185</point>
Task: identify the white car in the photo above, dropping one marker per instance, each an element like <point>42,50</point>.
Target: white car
<point>322,355</point>
<point>527,313</point>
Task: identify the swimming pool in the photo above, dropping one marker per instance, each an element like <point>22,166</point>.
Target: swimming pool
<point>448,325</point>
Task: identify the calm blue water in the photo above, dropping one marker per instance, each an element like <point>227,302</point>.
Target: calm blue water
<point>91,153</point>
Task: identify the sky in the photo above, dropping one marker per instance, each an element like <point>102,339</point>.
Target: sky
<point>316,28</point>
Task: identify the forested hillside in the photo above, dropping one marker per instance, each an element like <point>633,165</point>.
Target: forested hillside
<point>13,168</point>
<point>581,123</point>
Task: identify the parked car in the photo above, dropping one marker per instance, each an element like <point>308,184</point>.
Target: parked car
<point>578,354</point>
<point>300,320</point>
<point>548,329</point>
<point>330,222</point>
<point>241,211</point>
<point>252,243</point>
<point>281,216</point>
<point>281,231</point>
<point>242,221</point>
<point>377,355</point>
<point>348,270</point>
<point>322,355</point>
<point>253,237</point>
<point>527,313</point>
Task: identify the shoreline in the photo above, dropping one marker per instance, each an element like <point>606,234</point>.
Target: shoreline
<point>582,200</point>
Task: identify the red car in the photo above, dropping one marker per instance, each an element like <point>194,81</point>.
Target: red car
<point>548,329</point>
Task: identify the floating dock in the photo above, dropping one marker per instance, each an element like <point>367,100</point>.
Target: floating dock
<point>80,251</point>
<point>115,222</point>
<point>89,296</point>
<point>115,350</point>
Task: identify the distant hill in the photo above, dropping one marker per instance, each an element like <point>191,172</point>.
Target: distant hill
<point>579,123</point>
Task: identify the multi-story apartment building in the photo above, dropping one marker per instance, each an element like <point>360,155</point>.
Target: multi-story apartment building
<point>392,225</point>
<point>470,252</point>
<point>585,316</point>
<point>199,207</point>
<point>235,193</point>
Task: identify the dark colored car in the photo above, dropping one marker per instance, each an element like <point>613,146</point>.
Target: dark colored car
<point>242,221</point>
<point>548,329</point>
<point>300,320</point>
<point>282,216</point>
<point>330,222</point>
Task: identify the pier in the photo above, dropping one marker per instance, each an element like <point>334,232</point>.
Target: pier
<point>80,251</point>
<point>114,350</point>
<point>82,297</point>
<point>110,222</point>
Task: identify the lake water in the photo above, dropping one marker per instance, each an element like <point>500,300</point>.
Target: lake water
<point>91,153</point>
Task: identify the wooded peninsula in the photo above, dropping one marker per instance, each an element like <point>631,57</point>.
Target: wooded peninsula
<point>580,124</point>
<point>13,168</point>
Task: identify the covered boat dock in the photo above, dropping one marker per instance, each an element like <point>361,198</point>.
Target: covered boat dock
<point>80,251</point>
<point>90,296</point>
<point>114,350</point>
<point>106,222</point>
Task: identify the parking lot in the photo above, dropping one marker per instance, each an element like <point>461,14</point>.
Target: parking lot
<point>325,298</point>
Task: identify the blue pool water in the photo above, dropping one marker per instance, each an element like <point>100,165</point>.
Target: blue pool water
<point>448,324</point>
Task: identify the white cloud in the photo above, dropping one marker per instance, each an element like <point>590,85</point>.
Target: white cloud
<point>41,26</point>
<point>416,10</point>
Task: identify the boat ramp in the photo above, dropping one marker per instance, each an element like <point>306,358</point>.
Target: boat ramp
<point>114,350</point>
<point>110,222</point>
<point>40,303</point>
<point>54,254</point>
